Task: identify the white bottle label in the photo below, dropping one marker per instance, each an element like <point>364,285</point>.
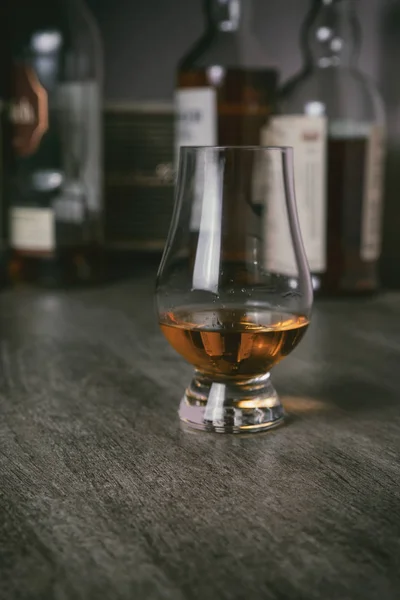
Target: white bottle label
<point>196,110</point>
<point>32,229</point>
<point>308,137</point>
<point>196,113</point>
<point>279,254</point>
<point>372,201</point>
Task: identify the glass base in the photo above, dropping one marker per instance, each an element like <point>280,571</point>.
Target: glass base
<point>245,406</point>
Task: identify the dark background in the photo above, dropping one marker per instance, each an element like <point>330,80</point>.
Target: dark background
<point>144,39</point>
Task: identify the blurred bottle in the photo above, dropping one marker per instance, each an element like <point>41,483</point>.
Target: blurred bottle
<point>3,206</point>
<point>53,142</point>
<point>390,84</point>
<point>226,92</point>
<point>334,117</point>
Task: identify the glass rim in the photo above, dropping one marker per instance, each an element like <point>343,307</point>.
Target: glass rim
<point>248,148</point>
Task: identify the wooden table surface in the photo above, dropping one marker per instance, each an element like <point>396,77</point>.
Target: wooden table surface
<point>104,495</point>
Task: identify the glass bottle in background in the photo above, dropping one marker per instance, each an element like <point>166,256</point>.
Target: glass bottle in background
<point>3,206</point>
<point>334,118</point>
<point>390,85</point>
<point>53,149</point>
<point>226,91</point>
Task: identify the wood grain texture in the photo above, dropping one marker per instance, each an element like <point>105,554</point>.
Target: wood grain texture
<point>104,495</point>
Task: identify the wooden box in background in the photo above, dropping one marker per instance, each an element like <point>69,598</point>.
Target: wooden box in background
<point>138,178</point>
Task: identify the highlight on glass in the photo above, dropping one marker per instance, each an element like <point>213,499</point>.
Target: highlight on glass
<point>233,290</point>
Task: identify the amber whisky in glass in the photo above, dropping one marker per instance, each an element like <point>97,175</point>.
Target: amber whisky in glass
<point>234,299</point>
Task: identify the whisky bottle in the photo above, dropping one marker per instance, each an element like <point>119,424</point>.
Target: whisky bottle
<point>333,116</point>
<point>389,27</point>
<point>225,88</point>
<point>3,127</point>
<point>53,147</point>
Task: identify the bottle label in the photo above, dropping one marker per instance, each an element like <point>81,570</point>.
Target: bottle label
<point>32,229</point>
<point>278,249</point>
<point>196,114</point>
<point>308,136</point>
<point>372,201</point>
<point>28,111</point>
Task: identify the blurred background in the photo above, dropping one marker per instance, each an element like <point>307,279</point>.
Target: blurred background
<point>144,40</point>
<point>143,44</point>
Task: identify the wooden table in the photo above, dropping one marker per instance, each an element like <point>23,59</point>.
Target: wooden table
<point>104,495</point>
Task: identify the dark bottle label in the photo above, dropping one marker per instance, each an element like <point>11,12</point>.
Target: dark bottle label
<point>28,111</point>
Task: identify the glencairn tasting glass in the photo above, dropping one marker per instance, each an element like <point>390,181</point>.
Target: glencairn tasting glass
<point>233,297</point>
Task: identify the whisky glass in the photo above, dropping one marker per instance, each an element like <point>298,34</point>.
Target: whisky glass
<point>233,290</point>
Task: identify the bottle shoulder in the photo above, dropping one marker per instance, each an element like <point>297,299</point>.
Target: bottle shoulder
<point>342,93</point>
<point>58,46</point>
<point>197,54</point>
<point>226,50</point>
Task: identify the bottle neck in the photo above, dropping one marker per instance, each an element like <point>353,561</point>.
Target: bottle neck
<point>331,34</point>
<point>229,16</point>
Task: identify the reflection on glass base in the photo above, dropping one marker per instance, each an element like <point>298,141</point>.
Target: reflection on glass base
<point>231,407</point>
